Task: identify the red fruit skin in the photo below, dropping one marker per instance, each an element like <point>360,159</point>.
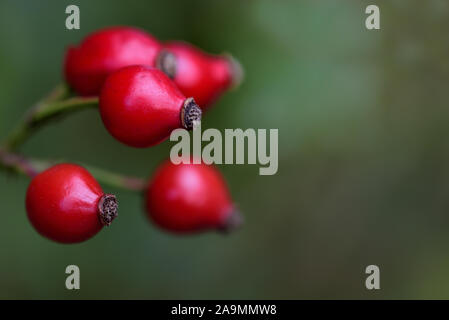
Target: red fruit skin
<point>200,75</point>
<point>104,51</point>
<point>61,203</point>
<point>140,106</point>
<point>188,198</point>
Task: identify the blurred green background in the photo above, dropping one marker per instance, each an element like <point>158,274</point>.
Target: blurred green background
<point>363,153</point>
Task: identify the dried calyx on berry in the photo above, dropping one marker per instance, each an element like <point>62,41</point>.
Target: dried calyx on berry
<point>233,221</point>
<point>190,114</point>
<point>166,62</point>
<point>107,206</point>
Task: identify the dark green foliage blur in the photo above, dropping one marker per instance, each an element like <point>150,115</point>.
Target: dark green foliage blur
<point>363,153</point>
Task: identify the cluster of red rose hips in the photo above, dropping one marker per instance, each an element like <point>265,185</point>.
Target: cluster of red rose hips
<point>146,89</point>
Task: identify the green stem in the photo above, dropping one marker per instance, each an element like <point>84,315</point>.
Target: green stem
<point>49,108</point>
<point>31,167</point>
<point>59,92</point>
<point>57,103</point>
<point>116,180</point>
<point>18,164</point>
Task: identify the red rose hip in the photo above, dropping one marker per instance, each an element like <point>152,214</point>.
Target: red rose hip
<point>190,198</point>
<point>140,106</point>
<point>104,51</point>
<point>198,74</point>
<point>66,204</point>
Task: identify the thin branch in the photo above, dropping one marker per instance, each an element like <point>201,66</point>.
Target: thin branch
<point>49,108</point>
<point>31,167</point>
<point>19,164</point>
<point>57,103</point>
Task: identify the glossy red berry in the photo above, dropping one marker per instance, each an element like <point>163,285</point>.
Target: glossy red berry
<point>66,204</point>
<point>190,198</point>
<point>140,106</point>
<point>105,51</point>
<point>198,74</point>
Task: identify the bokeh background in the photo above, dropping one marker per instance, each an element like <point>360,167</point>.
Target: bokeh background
<point>363,153</point>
